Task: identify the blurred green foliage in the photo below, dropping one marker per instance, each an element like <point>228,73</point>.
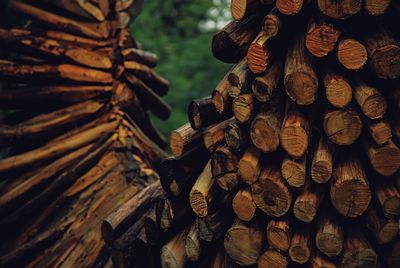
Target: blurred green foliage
<point>170,28</point>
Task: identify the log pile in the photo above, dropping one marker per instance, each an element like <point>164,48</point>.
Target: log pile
<point>294,158</point>
<point>76,138</point>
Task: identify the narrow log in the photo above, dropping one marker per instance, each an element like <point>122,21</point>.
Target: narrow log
<point>384,159</point>
<point>385,230</point>
<point>192,245</point>
<point>273,23</point>
<point>250,165</point>
<point>294,171</point>
<point>295,131</point>
<point>350,192</point>
<point>184,139</point>
<point>239,79</point>
<point>173,253</point>
<point>243,204</point>
<point>202,113</point>
<point>243,242</point>
<point>329,235</point>
<point>271,193</point>
<point>301,81</point>
<point>215,134</point>
<point>321,37</point>
<point>141,56</point>
<point>279,234</point>
<point>259,53</point>
<point>352,54</point>
<point>357,251</point>
<point>376,7</point>
<point>202,192</point>
<point>339,9</point>
<point>337,90</point>
<point>343,127</point>
<point>322,162</point>
<point>300,246</point>
<point>272,258</point>
<point>384,54</point>
<point>380,131</point>
<point>307,203</point>
<point>236,137</point>
<point>224,168</point>
<point>265,84</point>
<point>372,103</point>
<point>389,197</point>
<point>243,8</point>
<point>220,97</point>
<point>243,107</point>
<point>81,8</point>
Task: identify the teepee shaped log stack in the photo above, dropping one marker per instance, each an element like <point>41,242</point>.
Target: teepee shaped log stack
<point>294,158</point>
<point>76,138</point>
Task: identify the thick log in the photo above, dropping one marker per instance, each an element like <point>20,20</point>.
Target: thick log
<point>295,131</point>
<point>250,165</point>
<point>243,204</point>
<point>321,37</point>
<point>339,9</point>
<point>352,54</point>
<point>236,136</point>
<point>300,246</point>
<point>322,162</point>
<point>202,192</point>
<point>385,230</point>
<point>243,107</point>
<point>231,43</point>
<point>343,127</point>
<point>307,203</point>
<point>224,165</point>
<point>329,235</point>
<point>294,171</point>
<point>202,113</point>
<point>384,54</point>
<point>265,84</point>
<point>357,251</point>
<point>243,242</point>
<point>384,159</point>
<point>271,193</point>
<point>388,197</point>
<point>350,191</point>
<point>301,81</point>
<point>192,245</point>
<point>272,258</point>
<point>173,254</point>
<point>184,139</point>
<point>337,89</point>
<point>279,234</point>
<point>372,103</point>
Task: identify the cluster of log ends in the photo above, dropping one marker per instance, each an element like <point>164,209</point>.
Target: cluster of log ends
<point>78,142</point>
<point>303,143</point>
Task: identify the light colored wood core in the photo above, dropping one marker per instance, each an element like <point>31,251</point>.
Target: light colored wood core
<point>337,90</point>
<point>342,127</point>
<point>243,204</point>
<point>289,7</point>
<point>258,54</point>
<point>352,54</point>
<point>272,258</point>
<point>250,165</point>
<point>201,194</point>
<point>294,171</point>
<point>371,101</point>
<point>243,107</point>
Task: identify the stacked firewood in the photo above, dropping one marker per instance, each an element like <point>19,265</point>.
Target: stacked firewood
<point>294,158</point>
<point>77,141</point>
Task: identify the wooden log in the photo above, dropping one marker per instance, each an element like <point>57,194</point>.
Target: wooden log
<point>141,56</point>
<point>371,101</point>
<point>184,139</point>
<point>243,242</point>
<point>81,8</point>
<point>265,84</point>
<point>380,131</point>
<point>273,23</point>
<point>294,171</point>
<point>329,235</point>
<point>279,234</point>
<point>385,230</point>
<point>222,260</point>
<point>231,43</point>
<point>192,245</point>
<point>76,40</point>
<point>220,97</point>
<point>339,9</point>
<point>265,128</point>
<point>239,79</point>
<point>384,159</point>
<point>243,204</point>
<point>164,213</point>
<point>350,192</point>
<point>224,168</point>
<point>243,8</point>
<point>271,193</point>
<point>215,134</point>
<point>173,253</point>
<point>202,113</point>
<point>243,107</point>
<point>301,81</point>
<point>250,165</point>
<point>300,246</point>
<point>236,136</point>
<point>343,127</point>
<point>295,131</point>
<point>357,251</point>
<point>337,89</point>
<point>119,221</point>
<point>290,7</point>
<point>202,192</point>
<point>307,203</point>
<point>321,37</point>
<point>317,261</point>
<point>259,53</point>
<point>376,7</point>
<point>352,54</point>
<point>384,54</point>
<point>93,30</point>
<point>52,150</point>
<point>62,71</point>
<point>272,258</point>
<point>322,162</point>
<point>389,197</point>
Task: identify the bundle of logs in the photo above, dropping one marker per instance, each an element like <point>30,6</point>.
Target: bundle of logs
<point>294,158</point>
<point>76,139</point>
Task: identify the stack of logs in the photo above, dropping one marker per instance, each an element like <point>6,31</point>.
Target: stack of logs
<point>76,139</point>
<point>294,158</point>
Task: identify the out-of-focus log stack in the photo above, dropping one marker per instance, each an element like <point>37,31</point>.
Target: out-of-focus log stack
<point>77,141</point>
<point>294,158</point>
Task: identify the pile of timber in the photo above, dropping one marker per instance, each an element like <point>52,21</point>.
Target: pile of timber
<point>76,138</point>
<point>294,158</point>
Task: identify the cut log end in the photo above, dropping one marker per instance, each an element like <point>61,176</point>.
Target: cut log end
<point>294,140</point>
<point>386,62</point>
<point>352,54</point>
<point>264,136</point>
<point>177,144</point>
<point>304,211</point>
<point>289,7</point>
<point>272,259</point>
<point>338,92</point>
<point>365,257</point>
<point>340,9</point>
<point>257,58</point>
<point>386,160</point>
<point>328,243</point>
<point>299,254</point>
<point>321,171</point>
<point>198,202</point>
<point>301,87</point>
<point>321,39</point>
<point>342,127</point>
